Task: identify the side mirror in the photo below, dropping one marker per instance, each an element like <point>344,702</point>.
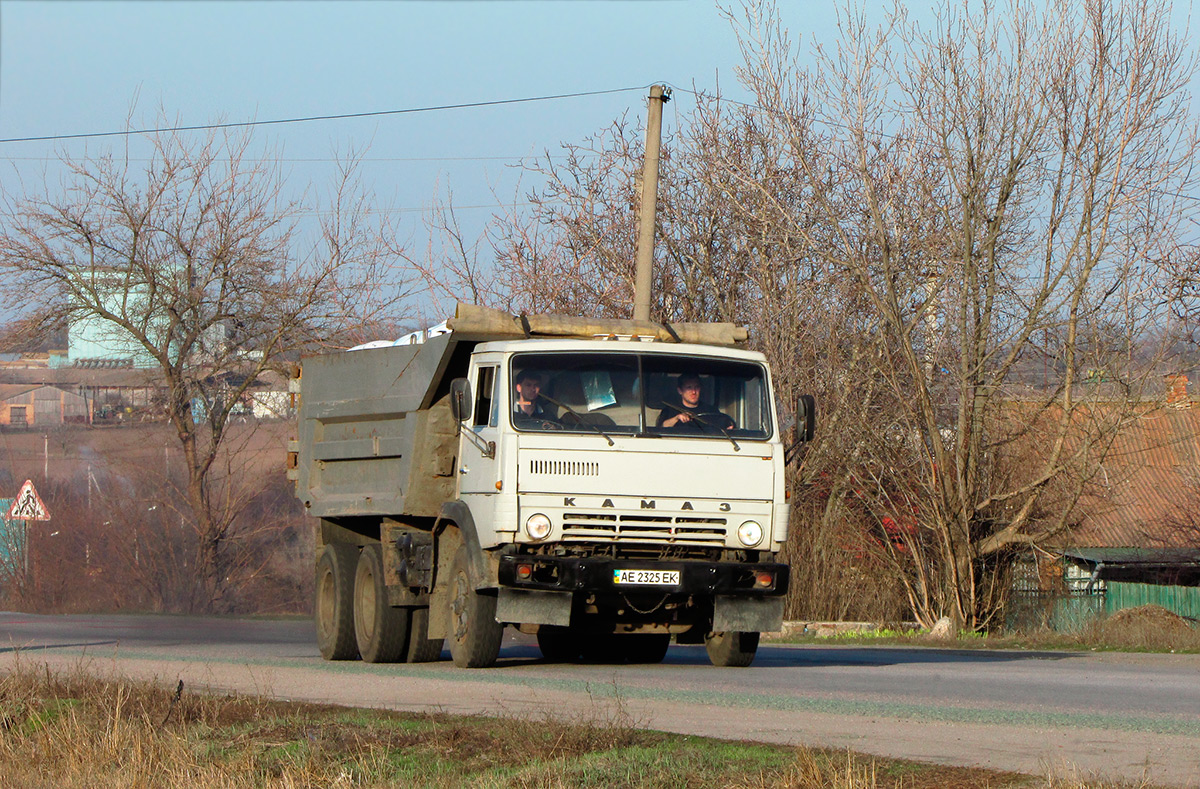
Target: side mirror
<point>806,417</point>
<point>460,399</point>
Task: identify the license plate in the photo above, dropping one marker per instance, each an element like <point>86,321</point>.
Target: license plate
<point>646,577</point>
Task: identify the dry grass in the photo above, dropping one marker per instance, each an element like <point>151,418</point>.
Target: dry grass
<point>76,729</point>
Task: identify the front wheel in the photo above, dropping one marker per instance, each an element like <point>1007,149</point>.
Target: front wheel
<point>734,649</point>
<point>474,633</point>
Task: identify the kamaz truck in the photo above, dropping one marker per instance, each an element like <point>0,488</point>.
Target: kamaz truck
<point>606,485</point>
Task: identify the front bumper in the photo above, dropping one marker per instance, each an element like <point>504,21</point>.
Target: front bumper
<point>571,574</point>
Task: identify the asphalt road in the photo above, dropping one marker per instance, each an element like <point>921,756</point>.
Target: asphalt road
<point>1117,716</point>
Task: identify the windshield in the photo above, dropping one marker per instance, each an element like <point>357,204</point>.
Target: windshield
<point>649,394</point>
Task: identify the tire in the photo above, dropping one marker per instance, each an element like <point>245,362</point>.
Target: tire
<point>731,649</point>
<point>422,648</point>
<point>473,631</point>
<point>334,605</point>
<point>380,631</point>
<point>558,644</point>
<point>647,647</point>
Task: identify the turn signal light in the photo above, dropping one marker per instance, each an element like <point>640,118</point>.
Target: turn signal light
<point>764,580</point>
<point>524,572</point>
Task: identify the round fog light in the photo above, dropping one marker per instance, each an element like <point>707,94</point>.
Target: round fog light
<point>750,534</point>
<point>538,527</point>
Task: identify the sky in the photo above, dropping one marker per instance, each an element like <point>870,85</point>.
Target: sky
<point>79,67</point>
<point>70,67</point>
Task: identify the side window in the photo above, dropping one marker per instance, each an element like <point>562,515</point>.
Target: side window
<point>485,390</point>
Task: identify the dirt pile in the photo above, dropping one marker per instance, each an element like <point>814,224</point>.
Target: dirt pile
<point>1150,627</point>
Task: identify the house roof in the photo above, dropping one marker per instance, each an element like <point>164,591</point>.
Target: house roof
<point>71,378</point>
<point>1146,494</point>
<point>1137,557</point>
<point>74,377</point>
<point>9,391</point>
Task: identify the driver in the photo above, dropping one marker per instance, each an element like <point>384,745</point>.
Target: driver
<point>530,407</point>
<point>689,415</point>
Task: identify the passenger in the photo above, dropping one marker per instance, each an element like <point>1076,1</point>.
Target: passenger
<point>530,409</point>
<point>689,416</point>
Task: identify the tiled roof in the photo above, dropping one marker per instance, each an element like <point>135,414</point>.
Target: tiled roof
<point>1147,492</point>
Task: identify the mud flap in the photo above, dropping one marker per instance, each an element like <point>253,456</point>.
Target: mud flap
<point>747,614</point>
<point>519,606</point>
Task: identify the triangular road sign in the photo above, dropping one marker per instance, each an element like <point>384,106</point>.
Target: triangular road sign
<point>28,505</point>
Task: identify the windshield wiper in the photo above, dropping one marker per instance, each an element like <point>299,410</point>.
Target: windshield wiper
<point>693,415</point>
<point>578,417</point>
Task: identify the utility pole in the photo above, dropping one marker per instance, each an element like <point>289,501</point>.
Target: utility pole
<point>645,246</point>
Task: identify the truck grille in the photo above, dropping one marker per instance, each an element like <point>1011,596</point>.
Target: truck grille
<point>565,468</point>
<point>657,529</point>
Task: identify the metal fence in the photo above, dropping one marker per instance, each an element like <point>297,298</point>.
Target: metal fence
<point>1062,612</point>
<point>1075,598</point>
<point>1183,600</point>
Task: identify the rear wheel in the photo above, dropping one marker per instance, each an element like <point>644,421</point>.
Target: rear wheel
<point>335,602</point>
<point>422,648</point>
<point>380,630</point>
<point>731,648</point>
<point>473,630</point>
<point>558,644</point>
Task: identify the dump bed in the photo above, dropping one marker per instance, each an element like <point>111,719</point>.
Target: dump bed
<point>376,436</point>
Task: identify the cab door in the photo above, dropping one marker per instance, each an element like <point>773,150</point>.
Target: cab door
<point>479,453</point>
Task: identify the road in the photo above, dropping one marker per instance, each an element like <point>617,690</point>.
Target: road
<point>1118,716</point>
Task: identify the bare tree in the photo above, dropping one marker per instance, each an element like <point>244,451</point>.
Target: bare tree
<point>198,266</point>
<point>960,235</point>
<point>991,185</point>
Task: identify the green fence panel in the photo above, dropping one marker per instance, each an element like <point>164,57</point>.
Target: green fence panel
<point>1183,600</point>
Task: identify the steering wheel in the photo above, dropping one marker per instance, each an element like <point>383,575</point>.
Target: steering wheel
<point>710,422</point>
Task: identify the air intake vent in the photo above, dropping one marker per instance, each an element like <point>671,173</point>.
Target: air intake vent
<point>565,468</point>
<point>656,529</point>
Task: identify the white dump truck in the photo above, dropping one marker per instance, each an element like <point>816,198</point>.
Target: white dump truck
<point>603,484</point>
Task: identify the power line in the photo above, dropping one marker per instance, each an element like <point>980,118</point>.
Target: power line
<point>312,118</point>
<point>329,159</point>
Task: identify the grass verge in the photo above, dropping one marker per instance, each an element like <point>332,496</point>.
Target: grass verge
<point>77,729</point>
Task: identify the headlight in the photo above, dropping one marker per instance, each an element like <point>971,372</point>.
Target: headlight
<point>750,534</point>
<point>538,526</point>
